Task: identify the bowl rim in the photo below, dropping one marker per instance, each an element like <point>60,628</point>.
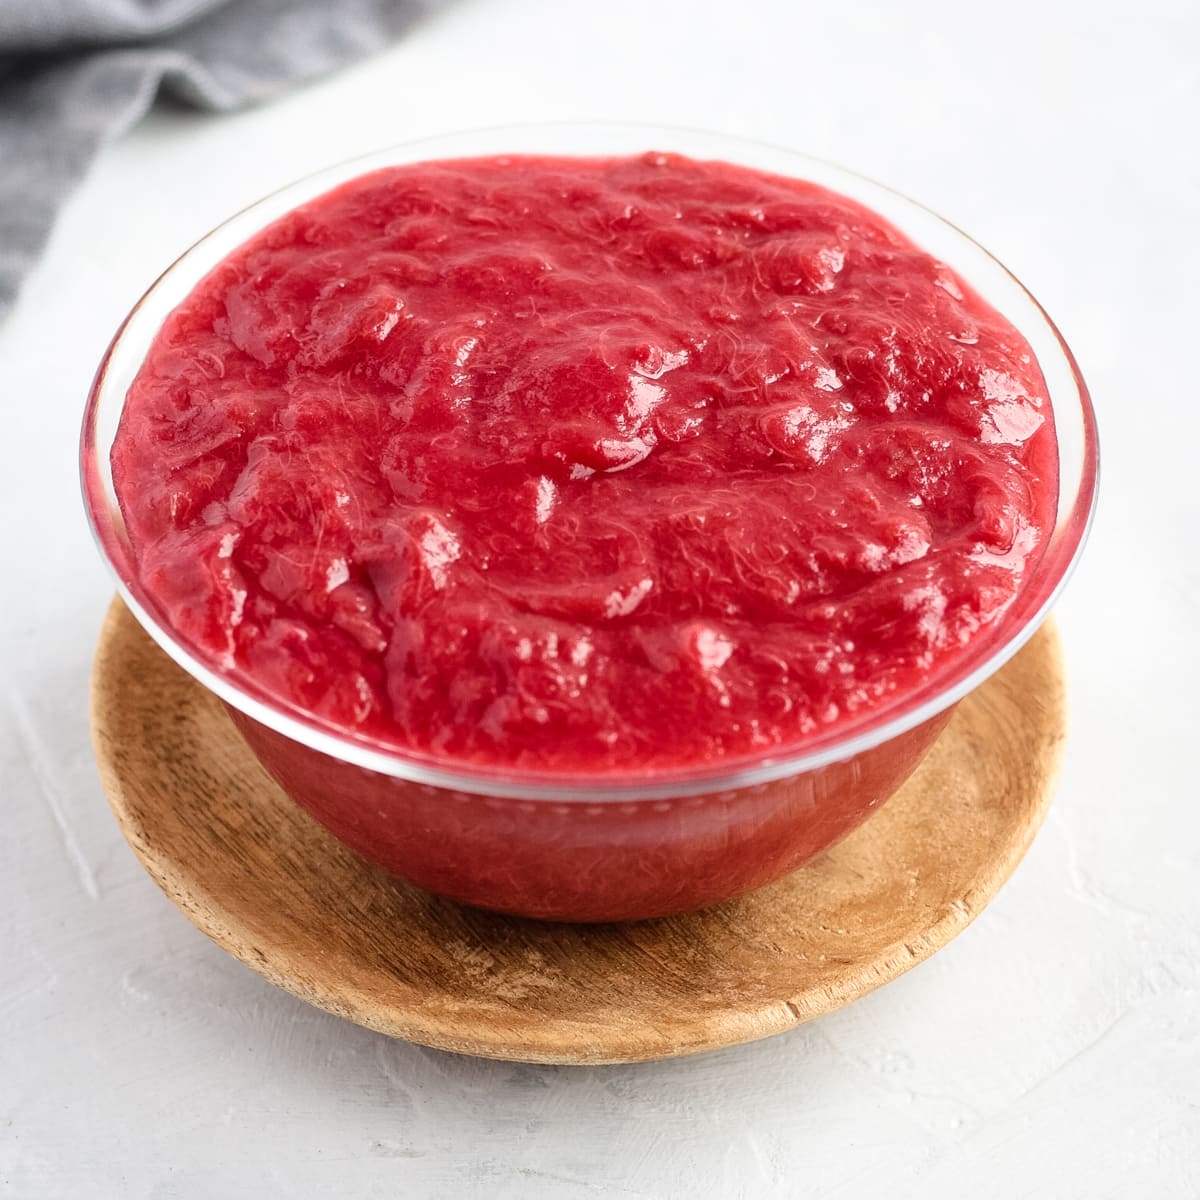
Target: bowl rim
<point>1037,593</point>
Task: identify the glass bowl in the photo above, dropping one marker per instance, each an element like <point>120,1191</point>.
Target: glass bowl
<point>615,847</point>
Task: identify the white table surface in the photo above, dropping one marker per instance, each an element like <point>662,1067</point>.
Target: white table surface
<point>1052,1051</point>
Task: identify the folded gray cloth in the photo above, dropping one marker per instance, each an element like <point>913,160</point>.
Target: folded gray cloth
<point>74,73</point>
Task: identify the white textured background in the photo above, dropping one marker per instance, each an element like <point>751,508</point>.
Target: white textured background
<point>1051,1051</point>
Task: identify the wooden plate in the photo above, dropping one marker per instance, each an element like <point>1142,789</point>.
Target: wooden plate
<point>268,884</point>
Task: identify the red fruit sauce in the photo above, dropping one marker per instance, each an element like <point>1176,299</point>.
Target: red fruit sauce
<point>585,465</point>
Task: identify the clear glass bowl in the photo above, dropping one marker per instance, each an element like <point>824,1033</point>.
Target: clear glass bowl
<point>621,846</point>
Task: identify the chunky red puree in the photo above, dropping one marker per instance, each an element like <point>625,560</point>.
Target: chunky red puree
<point>585,464</point>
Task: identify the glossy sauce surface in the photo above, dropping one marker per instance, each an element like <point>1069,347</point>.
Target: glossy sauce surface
<point>585,465</point>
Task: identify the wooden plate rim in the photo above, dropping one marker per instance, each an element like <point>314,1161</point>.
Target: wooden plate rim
<point>561,1042</point>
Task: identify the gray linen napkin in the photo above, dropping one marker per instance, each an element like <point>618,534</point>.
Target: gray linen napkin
<point>74,73</point>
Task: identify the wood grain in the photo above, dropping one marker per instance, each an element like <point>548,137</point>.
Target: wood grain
<point>272,887</point>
